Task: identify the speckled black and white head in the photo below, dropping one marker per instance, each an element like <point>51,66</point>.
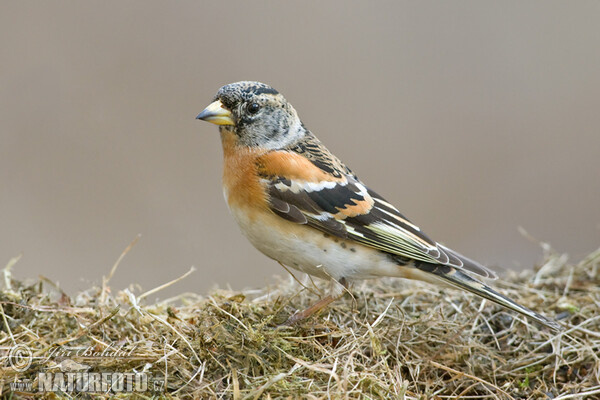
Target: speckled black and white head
<point>258,114</point>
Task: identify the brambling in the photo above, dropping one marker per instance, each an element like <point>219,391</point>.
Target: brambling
<point>300,205</point>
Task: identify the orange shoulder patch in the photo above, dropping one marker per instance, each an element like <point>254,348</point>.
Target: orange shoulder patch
<point>293,166</point>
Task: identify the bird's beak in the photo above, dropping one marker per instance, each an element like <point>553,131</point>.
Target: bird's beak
<point>216,113</point>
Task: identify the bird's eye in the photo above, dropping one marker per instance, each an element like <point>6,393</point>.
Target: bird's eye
<point>253,108</point>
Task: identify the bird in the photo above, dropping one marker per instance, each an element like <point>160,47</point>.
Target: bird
<point>298,204</point>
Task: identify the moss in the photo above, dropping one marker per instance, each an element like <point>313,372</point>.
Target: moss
<point>390,339</point>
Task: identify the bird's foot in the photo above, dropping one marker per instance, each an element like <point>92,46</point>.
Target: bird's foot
<point>314,309</point>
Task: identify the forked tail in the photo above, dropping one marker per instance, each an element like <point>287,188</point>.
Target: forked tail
<point>458,279</point>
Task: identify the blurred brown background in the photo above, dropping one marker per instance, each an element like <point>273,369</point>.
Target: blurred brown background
<point>473,117</point>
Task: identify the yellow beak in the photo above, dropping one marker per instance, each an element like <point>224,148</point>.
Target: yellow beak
<point>216,113</point>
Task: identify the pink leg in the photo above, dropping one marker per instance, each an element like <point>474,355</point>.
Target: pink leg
<point>315,308</point>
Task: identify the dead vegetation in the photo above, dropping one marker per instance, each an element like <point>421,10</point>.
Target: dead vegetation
<point>391,339</point>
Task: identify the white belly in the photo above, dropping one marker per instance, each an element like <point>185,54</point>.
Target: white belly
<point>311,251</point>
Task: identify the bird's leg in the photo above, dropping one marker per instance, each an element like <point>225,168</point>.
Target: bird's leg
<point>298,281</point>
<point>318,306</point>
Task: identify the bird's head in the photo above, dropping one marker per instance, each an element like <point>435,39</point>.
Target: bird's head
<point>256,113</point>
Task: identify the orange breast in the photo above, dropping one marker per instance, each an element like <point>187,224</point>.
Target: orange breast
<point>240,178</point>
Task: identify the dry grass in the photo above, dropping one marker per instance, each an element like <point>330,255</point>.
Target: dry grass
<point>392,339</point>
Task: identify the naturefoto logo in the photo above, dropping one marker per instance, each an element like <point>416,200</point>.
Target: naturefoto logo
<point>90,382</point>
<point>97,382</point>
<point>20,358</point>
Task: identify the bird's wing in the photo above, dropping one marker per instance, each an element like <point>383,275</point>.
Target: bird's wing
<point>339,204</point>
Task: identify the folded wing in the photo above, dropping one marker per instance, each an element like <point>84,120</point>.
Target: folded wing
<point>341,205</point>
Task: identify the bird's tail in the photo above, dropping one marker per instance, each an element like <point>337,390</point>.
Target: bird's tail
<point>459,279</point>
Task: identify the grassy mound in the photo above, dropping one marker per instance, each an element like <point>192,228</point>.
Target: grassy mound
<point>389,339</point>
